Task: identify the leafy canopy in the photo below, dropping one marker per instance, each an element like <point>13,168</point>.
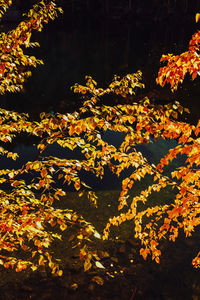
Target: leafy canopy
<point>30,222</point>
<point>25,213</point>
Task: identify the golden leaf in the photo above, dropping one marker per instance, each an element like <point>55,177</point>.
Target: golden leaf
<point>99,265</point>
<point>98,280</point>
<point>197,17</point>
<point>87,265</point>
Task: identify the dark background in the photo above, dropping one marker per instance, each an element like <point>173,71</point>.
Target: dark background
<point>102,38</point>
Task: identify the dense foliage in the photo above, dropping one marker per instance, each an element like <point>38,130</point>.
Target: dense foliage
<point>179,65</point>
<point>15,64</point>
<point>29,220</point>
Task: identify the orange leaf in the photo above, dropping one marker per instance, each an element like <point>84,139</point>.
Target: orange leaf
<point>197,17</point>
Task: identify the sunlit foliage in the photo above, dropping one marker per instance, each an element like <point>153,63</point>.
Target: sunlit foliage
<point>27,206</point>
<point>29,220</point>
<point>14,63</point>
<point>179,65</point>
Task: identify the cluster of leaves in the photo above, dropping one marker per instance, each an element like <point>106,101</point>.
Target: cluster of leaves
<point>140,122</point>
<point>4,5</point>
<point>29,221</point>
<point>179,65</point>
<point>14,63</point>
<point>27,212</point>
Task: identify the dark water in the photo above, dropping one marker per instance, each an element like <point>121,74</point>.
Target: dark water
<point>154,151</point>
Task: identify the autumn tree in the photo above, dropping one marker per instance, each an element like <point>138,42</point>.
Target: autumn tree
<point>30,222</point>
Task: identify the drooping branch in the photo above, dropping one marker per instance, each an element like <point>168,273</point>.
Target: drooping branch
<point>14,64</point>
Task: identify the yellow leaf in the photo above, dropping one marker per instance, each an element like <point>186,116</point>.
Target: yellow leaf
<point>63,227</point>
<point>33,267</point>
<point>98,280</point>
<point>41,260</point>
<point>87,265</point>
<point>197,17</point>
<point>99,265</point>
<point>59,272</point>
<point>97,235</point>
